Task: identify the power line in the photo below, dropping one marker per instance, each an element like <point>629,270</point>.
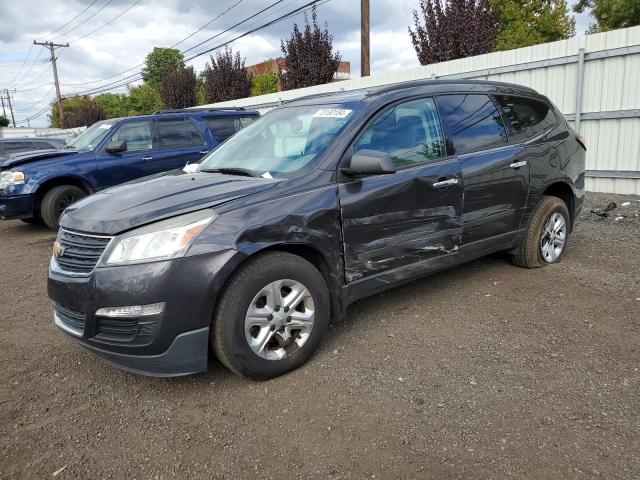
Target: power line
<point>137,76</point>
<point>21,66</point>
<point>52,46</point>
<point>109,22</point>
<point>205,25</point>
<point>85,20</point>
<point>35,60</point>
<point>70,21</point>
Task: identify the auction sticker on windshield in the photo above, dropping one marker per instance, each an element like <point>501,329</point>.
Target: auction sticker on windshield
<point>332,113</point>
<point>105,126</point>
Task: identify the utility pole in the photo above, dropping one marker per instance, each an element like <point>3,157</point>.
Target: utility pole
<point>6,90</point>
<point>4,112</point>
<point>52,47</point>
<point>364,38</point>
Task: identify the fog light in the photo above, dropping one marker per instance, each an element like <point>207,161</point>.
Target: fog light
<point>132,311</point>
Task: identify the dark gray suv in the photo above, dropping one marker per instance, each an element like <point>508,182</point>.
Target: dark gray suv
<point>321,202</point>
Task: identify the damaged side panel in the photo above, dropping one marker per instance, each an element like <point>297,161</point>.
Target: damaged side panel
<point>396,220</point>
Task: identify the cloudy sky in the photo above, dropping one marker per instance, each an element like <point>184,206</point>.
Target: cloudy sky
<point>110,38</point>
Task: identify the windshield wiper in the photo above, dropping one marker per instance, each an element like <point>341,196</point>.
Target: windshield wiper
<point>231,171</point>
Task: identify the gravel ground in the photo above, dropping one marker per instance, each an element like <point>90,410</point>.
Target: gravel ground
<point>484,371</point>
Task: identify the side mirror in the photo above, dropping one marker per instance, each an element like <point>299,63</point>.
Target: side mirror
<point>116,147</point>
<point>369,162</point>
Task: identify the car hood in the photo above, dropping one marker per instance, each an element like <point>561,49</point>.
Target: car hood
<point>155,198</point>
<point>32,156</point>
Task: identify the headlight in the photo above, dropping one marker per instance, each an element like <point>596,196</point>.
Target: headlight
<point>159,241</point>
<point>9,177</point>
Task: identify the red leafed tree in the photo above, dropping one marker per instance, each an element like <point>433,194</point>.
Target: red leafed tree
<point>226,77</point>
<point>178,88</point>
<point>308,56</point>
<point>457,29</point>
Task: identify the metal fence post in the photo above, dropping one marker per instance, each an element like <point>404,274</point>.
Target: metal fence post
<point>579,92</point>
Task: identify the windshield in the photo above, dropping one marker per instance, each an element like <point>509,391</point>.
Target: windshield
<point>92,136</point>
<point>282,142</point>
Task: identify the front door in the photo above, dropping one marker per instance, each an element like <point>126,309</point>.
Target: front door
<point>408,217</point>
<point>180,143</point>
<point>136,161</point>
<point>495,173</point>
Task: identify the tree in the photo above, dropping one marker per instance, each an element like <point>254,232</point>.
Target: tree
<point>308,56</point>
<point>4,121</point>
<point>79,111</point>
<point>225,78</point>
<point>459,29</point>
<point>144,100</point>
<point>178,88</point>
<point>610,14</point>
<point>530,22</point>
<point>160,62</point>
<point>115,105</point>
<point>263,83</point>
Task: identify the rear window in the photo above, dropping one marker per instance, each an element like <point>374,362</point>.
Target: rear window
<point>472,122</point>
<point>178,133</point>
<point>525,117</point>
<point>224,126</point>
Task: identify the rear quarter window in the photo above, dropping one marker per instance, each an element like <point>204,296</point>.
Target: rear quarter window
<point>472,122</point>
<point>525,117</point>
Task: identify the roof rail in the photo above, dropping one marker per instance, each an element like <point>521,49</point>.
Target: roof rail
<point>203,109</point>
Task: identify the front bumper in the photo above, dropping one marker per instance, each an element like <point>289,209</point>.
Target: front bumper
<point>174,342</point>
<point>19,206</point>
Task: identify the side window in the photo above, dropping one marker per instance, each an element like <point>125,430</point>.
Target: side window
<point>16,147</point>
<point>472,122</point>
<point>525,117</point>
<point>178,133</point>
<point>136,134</point>
<point>409,132</point>
<point>223,127</point>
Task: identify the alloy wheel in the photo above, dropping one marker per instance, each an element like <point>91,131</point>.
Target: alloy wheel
<point>554,236</point>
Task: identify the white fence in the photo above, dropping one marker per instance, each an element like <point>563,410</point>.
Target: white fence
<point>22,132</point>
<point>594,80</point>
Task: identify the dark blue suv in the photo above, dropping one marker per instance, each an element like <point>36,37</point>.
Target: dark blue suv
<point>37,186</point>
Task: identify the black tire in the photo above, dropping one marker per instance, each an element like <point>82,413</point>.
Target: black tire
<point>228,338</point>
<point>56,200</point>
<point>529,253</point>
<point>35,220</point>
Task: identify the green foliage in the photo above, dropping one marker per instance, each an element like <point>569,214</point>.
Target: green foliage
<point>78,112</point>
<point>200,94</point>
<point>530,22</point>
<point>160,62</point>
<point>263,84</point>
<point>4,121</point>
<point>144,99</point>
<point>610,14</point>
<point>115,105</point>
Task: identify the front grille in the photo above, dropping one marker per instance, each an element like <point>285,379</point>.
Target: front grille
<point>71,319</point>
<point>79,252</point>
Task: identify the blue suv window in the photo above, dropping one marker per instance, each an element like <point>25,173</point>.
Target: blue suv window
<point>175,133</point>
<point>136,134</point>
<point>472,122</point>
<point>223,127</point>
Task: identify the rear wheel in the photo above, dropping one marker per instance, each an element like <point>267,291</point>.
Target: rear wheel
<point>546,235</point>
<point>271,316</point>
<point>56,200</point>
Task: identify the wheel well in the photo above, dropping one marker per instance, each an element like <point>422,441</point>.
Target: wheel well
<point>54,182</point>
<point>564,193</point>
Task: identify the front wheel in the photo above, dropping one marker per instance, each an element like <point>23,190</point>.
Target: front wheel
<point>546,235</point>
<point>56,200</point>
<point>271,317</point>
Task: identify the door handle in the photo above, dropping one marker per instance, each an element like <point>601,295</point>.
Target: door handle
<point>146,159</point>
<point>204,152</point>
<point>519,164</point>
<point>445,183</point>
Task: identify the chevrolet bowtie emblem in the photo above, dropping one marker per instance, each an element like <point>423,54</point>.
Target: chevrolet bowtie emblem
<point>58,251</point>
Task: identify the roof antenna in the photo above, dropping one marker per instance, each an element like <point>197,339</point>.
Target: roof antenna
<point>486,77</point>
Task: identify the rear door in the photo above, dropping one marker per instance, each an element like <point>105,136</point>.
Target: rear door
<point>413,215</point>
<point>180,142</point>
<point>495,172</point>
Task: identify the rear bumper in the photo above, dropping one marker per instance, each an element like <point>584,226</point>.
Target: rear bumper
<point>20,206</point>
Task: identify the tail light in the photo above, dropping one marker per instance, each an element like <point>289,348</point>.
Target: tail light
<point>581,141</point>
